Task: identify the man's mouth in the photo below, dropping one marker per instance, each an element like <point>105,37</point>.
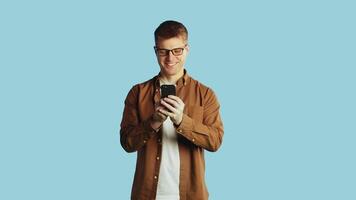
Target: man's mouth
<point>170,64</point>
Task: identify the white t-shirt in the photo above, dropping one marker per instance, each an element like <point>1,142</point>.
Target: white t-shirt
<point>168,181</point>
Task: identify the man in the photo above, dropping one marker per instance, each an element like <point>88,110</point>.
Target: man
<point>170,134</point>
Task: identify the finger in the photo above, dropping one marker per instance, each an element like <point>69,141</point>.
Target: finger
<point>165,112</point>
<point>161,113</point>
<point>169,107</point>
<point>162,116</point>
<point>177,99</point>
<point>159,107</point>
<point>171,102</point>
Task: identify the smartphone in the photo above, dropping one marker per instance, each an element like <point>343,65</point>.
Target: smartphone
<point>167,90</point>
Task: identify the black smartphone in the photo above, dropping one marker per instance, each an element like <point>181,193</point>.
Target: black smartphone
<point>167,90</point>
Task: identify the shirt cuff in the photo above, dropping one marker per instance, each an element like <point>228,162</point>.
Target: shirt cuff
<point>185,128</point>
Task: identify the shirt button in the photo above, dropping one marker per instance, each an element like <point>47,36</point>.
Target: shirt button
<point>155,177</point>
<point>144,141</point>
<point>157,90</point>
<point>193,140</point>
<point>157,158</point>
<point>179,130</point>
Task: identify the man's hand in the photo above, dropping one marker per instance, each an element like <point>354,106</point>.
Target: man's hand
<point>174,108</point>
<point>158,118</point>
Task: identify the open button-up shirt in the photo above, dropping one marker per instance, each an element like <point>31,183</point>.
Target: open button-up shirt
<point>201,129</point>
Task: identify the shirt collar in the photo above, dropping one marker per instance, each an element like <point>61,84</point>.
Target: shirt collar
<point>180,82</point>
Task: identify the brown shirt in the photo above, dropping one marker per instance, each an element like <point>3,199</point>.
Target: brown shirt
<point>201,129</point>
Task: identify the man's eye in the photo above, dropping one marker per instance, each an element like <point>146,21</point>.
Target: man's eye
<point>177,50</point>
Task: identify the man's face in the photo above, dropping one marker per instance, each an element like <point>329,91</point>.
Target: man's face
<point>171,62</point>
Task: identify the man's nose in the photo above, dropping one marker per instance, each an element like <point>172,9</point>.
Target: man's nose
<point>170,56</point>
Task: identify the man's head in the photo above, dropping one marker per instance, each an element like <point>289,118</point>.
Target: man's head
<point>169,29</point>
<point>171,38</point>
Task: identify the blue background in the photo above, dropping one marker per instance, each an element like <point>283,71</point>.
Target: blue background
<point>284,73</point>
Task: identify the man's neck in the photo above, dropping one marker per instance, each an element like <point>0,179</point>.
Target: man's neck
<point>171,79</point>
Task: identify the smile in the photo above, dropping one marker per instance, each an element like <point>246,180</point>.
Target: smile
<point>170,64</point>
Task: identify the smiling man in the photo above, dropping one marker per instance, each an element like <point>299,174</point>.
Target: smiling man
<point>170,133</point>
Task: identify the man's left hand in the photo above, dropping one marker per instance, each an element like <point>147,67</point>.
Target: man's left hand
<point>174,108</point>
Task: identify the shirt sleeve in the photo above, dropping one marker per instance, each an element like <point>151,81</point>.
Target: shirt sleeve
<point>206,133</point>
<point>134,133</point>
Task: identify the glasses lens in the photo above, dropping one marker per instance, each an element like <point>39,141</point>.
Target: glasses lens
<point>177,51</point>
<point>162,52</point>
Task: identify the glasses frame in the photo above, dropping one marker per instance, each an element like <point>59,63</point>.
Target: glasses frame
<point>167,51</point>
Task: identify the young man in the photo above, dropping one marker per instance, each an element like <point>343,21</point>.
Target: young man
<point>170,134</point>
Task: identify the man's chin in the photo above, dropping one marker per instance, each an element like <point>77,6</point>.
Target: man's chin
<point>170,70</point>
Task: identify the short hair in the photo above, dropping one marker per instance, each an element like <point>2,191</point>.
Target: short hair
<point>169,29</point>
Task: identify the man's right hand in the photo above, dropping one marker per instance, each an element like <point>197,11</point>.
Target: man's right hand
<point>158,118</point>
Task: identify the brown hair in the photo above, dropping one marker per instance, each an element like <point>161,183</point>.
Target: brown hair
<point>169,29</point>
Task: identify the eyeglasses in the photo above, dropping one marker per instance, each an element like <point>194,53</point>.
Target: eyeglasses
<point>165,52</point>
